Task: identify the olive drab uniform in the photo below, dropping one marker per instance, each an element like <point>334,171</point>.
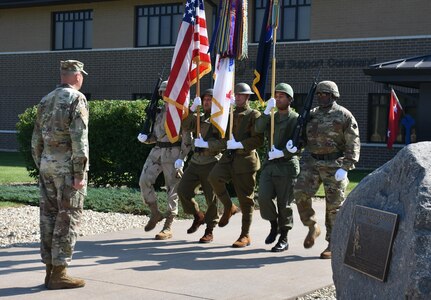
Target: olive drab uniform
<point>278,176</point>
<point>240,166</point>
<point>61,153</point>
<point>200,165</point>
<point>161,159</point>
<point>332,139</point>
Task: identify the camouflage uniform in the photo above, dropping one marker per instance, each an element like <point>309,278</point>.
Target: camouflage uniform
<point>240,166</point>
<point>60,151</point>
<point>278,176</point>
<point>332,138</point>
<point>201,163</point>
<point>161,159</point>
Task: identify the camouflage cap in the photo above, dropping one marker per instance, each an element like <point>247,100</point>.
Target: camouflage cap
<point>329,87</point>
<point>72,66</point>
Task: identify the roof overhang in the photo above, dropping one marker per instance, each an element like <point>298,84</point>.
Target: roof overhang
<point>32,3</point>
<point>409,72</point>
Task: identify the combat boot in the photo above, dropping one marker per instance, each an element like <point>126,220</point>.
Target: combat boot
<point>313,233</point>
<point>199,219</point>
<point>273,233</point>
<point>326,254</point>
<point>166,232</point>
<point>48,274</point>
<point>282,243</point>
<point>227,214</point>
<point>156,217</point>
<point>243,241</point>
<point>208,236</point>
<point>60,280</point>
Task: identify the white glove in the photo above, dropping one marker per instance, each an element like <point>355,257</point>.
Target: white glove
<point>233,144</point>
<point>275,153</point>
<point>232,100</point>
<point>200,143</point>
<point>179,164</point>
<point>197,102</point>
<point>142,137</point>
<point>270,104</point>
<point>290,147</point>
<point>340,175</point>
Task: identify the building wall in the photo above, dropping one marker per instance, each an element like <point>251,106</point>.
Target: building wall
<point>335,19</point>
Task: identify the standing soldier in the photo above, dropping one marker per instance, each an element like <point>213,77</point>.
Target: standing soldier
<point>280,170</point>
<point>332,138</point>
<point>60,150</point>
<point>168,158</point>
<point>239,164</point>
<point>207,151</point>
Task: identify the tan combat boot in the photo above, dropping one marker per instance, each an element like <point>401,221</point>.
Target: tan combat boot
<point>166,232</point>
<point>208,236</point>
<point>327,253</point>
<point>227,214</point>
<point>156,217</point>
<point>313,233</point>
<point>243,241</point>
<point>60,280</point>
<point>48,274</point>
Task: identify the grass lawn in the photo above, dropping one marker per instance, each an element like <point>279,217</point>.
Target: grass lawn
<point>12,169</point>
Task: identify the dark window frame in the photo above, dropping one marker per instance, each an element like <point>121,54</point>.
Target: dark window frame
<point>281,35</point>
<point>377,131</point>
<point>75,17</point>
<point>142,11</point>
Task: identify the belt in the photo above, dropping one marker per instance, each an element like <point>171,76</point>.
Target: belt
<point>204,152</point>
<point>329,156</point>
<point>168,144</point>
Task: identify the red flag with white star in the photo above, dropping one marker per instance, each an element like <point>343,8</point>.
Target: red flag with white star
<point>395,110</point>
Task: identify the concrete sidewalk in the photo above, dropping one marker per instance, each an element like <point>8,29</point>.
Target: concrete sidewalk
<point>131,264</point>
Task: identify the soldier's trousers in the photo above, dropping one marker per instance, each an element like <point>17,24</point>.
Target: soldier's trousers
<point>194,176</point>
<point>60,213</point>
<point>244,184</point>
<point>309,180</point>
<point>160,160</point>
<point>280,189</point>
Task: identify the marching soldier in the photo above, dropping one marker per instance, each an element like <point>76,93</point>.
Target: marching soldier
<point>280,170</point>
<point>239,164</point>
<point>207,151</point>
<point>165,157</point>
<point>332,138</point>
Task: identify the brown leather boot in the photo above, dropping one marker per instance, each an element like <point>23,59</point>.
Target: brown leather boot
<point>313,233</point>
<point>60,280</point>
<point>227,214</point>
<point>199,219</point>
<point>243,241</point>
<point>48,274</point>
<point>208,236</point>
<point>156,217</point>
<point>326,254</point>
<point>166,232</point>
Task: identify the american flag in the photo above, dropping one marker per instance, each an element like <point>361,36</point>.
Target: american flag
<point>191,50</point>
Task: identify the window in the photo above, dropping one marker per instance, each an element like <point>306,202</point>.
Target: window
<point>294,20</point>
<point>73,30</point>
<point>158,25</point>
<point>378,118</point>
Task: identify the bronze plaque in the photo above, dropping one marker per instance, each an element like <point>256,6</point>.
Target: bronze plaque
<point>370,241</point>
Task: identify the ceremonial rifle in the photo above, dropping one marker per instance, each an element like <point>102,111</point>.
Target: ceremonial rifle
<point>151,109</point>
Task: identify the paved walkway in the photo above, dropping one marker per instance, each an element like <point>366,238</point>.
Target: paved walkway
<point>132,265</point>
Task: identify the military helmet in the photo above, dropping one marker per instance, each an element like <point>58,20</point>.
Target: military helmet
<point>285,88</point>
<point>328,87</point>
<point>208,92</point>
<point>243,88</point>
<point>163,85</point>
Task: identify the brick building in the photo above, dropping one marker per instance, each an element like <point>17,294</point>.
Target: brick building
<point>124,45</point>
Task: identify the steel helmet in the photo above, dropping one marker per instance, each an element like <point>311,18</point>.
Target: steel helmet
<point>208,92</point>
<point>163,85</point>
<point>243,88</point>
<point>328,87</point>
<point>285,88</point>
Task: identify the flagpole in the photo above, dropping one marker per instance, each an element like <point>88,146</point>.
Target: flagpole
<point>274,62</point>
<point>231,107</point>
<point>198,92</point>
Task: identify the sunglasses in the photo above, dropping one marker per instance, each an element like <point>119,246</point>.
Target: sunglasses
<point>319,94</point>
